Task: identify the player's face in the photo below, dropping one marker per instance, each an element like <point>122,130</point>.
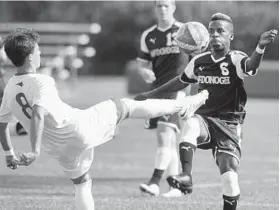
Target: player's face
<point>164,10</point>
<point>220,34</point>
<point>36,57</point>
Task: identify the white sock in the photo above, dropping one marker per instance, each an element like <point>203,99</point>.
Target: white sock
<point>163,157</point>
<point>83,196</point>
<point>151,108</point>
<point>173,168</point>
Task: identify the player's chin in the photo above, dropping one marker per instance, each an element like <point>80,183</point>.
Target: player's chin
<point>216,46</point>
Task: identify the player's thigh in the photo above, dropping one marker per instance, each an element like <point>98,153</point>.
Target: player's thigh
<point>196,129</point>
<point>75,166</point>
<point>226,140</point>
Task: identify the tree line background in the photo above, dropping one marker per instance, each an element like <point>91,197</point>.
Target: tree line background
<point>123,22</point>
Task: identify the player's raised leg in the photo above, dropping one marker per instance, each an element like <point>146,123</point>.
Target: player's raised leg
<point>151,108</point>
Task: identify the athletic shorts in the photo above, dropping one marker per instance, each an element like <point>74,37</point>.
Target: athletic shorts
<point>220,136</point>
<point>95,126</point>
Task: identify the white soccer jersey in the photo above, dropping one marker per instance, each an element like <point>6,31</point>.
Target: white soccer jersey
<point>67,131</point>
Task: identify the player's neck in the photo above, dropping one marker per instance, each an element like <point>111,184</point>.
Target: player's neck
<point>219,54</point>
<point>165,24</point>
<point>25,70</point>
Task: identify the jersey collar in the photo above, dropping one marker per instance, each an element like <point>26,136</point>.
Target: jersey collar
<point>166,28</point>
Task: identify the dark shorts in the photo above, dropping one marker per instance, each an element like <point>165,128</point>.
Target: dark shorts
<point>221,136</point>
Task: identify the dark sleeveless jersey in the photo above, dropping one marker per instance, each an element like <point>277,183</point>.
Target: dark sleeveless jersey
<point>160,48</point>
<point>223,78</point>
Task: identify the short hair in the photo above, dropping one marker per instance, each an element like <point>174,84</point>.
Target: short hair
<point>172,2</point>
<point>221,16</point>
<point>19,44</point>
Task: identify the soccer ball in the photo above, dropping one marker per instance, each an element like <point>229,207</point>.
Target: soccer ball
<point>192,38</point>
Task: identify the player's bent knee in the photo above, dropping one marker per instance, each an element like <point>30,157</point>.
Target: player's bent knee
<point>230,183</point>
<point>84,178</point>
<point>190,131</point>
<point>123,107</point>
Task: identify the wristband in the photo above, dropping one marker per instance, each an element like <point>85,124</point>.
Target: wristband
<point>10,152</point>
<point>259,50</point>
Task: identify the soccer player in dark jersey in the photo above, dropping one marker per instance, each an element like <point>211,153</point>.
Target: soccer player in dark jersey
<point>160,60</point>
<point>216,125</point>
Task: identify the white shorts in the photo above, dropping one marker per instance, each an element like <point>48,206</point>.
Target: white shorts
<point>95,126</point>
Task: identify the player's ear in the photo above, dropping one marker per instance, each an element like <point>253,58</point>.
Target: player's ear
<point>30,57</point>
<point>231,37</point>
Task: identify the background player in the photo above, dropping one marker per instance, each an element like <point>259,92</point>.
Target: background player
<point>161,60</point>
<point>67,134</point>
<point>216,124</point>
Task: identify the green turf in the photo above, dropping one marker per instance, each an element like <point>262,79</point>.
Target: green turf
<point>122,164</point>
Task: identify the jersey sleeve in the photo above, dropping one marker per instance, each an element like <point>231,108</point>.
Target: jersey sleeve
<point>45,93</point>
<point>239,59</point>
<point>188,75</point>
<point>6,115</point>
<point>144,53</point>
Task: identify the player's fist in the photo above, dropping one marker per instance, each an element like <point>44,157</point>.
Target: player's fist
<point>147,74</point>
<point>267,37</point>
<point>11,161</point>
<point>141,97</point>
<point>27,158</point>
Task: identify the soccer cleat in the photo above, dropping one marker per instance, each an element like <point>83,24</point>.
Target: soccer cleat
<point>192,103</point>
<point>181,182</point>
<point>152,189</point>
<point>172,193</point>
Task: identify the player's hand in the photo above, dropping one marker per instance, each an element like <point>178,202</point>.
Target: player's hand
<point>267,38</point>
<point>141,97</point>
<point>11,162</point>
<point>148,75</point>
<point>27,158</point>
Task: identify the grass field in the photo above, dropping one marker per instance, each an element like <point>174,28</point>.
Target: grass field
<point>122,164</point>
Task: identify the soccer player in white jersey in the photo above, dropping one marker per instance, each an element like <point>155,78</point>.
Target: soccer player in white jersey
<point>15,127</point>
<point>160,60</point>
<point>67,134</point>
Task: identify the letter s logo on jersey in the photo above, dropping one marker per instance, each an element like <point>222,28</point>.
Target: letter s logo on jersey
<point>224,69</point>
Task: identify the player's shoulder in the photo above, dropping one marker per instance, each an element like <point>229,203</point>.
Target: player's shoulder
<point>148,30</point>
<point>41,79</point>
<point>178,24</point>
<point>234,53</point>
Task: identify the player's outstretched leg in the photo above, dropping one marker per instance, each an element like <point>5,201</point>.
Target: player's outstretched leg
<point>83,195</point>
<point>151,108</point>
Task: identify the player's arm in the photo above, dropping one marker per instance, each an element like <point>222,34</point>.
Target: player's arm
<point>254,61</point>
<point>5,139</point>
<point>144,70</point>
<point>36,128</point>
<point>144,61</point>
<point>174,85</point>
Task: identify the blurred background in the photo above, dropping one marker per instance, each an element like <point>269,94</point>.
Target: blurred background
<point>102,37</point>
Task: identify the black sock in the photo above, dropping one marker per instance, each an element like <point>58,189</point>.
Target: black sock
<point>230,203</point>
<point>156,176</point>
<point>186,151</point>
<point>20,130</point>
